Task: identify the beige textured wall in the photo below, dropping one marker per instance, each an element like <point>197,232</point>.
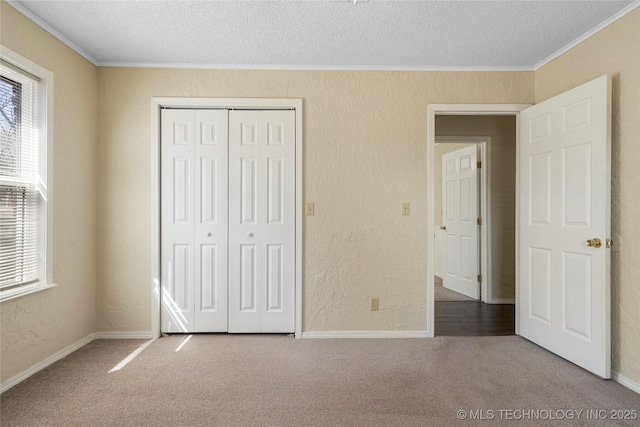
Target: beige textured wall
<point>364,154</point>
<point>502,130</point>
<point>39,325</point>
<point>616,51</point>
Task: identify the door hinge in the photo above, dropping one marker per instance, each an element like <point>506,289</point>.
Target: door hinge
<point>479,165</point>
<point>479,278</point>
<point>479,221</point>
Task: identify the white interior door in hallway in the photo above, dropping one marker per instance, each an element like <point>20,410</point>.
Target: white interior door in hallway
<point>202,182</point>
<point>460,219</point>
<point>565,204</point>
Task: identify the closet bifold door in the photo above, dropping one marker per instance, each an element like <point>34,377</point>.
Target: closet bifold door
<point>261,221</point>
<point>194,229</point>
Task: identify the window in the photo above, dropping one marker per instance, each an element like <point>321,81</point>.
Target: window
<point>25,187</point>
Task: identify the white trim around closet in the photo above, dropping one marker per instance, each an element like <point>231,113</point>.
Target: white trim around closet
<point>157,103</point>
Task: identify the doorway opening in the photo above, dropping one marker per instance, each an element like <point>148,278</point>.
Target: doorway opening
<point>491,310</point>
<point>563,194</point>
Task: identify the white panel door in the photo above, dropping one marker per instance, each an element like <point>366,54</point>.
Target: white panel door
<point>564,204</point>
<point>177,220</point>
<point>194,220</point>
<point>211,228</point>
<point>261,221</point>
<point>460,217</point>
<point>438,262</point>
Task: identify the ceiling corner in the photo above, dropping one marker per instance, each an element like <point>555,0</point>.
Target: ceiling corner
<point>48,28</point>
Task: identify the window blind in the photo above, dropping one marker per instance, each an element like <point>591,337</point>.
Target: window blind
<point>19,194</point>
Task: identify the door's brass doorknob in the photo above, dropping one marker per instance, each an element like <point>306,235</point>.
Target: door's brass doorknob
<point>596,243</point>
<point>443,227</point>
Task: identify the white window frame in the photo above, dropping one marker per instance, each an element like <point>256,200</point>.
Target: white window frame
<point>45,171</point>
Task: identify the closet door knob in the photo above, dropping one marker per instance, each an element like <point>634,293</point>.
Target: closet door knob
<point>249,234</point>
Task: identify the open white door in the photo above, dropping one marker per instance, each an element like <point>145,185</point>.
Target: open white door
<point>564,212</point>
<point>460,217</point>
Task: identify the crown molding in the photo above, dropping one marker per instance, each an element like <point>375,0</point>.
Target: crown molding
<point>48,28</point>
<point>631,7</point>
<point>294,67</point>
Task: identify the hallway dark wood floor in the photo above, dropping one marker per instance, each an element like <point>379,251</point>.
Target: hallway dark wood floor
<point>473,318</point>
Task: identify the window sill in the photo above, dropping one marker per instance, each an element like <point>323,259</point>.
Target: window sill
<point>24,290</point>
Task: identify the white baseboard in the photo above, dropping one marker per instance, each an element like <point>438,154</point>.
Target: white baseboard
<point>124,335</point>
<point>503,301</point>
<point>622,380</point>
<point>46,362</point>
<point>365,334</point>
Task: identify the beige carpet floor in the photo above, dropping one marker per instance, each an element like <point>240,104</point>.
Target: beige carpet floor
<point>273,380</point>
<point>443,294</point>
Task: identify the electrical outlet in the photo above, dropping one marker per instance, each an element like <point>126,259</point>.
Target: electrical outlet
<point>406,209</point>
<point>311,210</point>
<point>375,304</point>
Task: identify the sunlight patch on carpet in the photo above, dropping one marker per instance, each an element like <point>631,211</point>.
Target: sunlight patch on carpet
<point>183,342</point>
<point>130,357</point>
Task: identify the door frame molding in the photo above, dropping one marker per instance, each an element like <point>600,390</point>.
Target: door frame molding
<point>157,103</point>
<point>434,110</point>
<point>484,142</point>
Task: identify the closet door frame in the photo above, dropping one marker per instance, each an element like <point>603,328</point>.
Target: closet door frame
<point>157,103</point>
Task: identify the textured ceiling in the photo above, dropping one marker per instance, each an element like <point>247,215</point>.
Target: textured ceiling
<point>322,34</point>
